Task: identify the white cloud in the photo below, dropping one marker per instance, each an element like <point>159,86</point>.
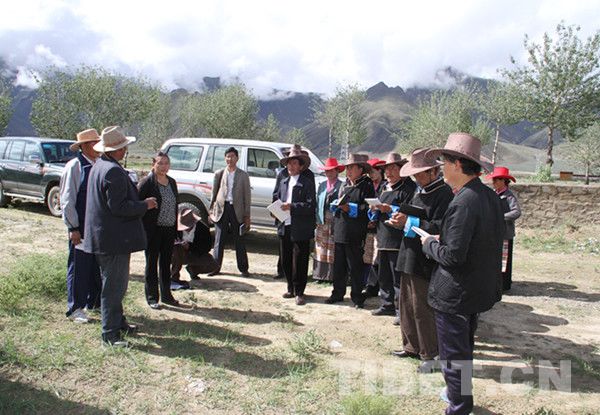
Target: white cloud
<point>301,46</point>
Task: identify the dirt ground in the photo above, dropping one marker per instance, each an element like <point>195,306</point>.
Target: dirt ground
<point>550,318</point>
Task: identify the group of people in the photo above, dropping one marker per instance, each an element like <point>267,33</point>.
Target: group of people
<point>437,248</point>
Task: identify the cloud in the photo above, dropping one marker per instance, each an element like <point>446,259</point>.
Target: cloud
<point>298,46</point>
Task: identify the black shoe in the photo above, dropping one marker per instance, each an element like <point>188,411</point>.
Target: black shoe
<point>155,306</point>
<point>172,302</point>
<point>245,274</point>
<point>370,291</point>
<point>404,353</point>
<point>194,277</point>
<point>288,295</point>
<point>129,329</point>
<point>359,305</point>
<point>384,311</point>
<point>332,300</point>
<point>115,341</point>
<point>278,277</point>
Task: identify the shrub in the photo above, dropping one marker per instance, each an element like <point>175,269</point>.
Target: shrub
<point>543,174</point>
<point>36,275</point>
<point>362,404</point>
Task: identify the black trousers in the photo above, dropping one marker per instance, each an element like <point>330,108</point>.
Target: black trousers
<point>229,224</point>
<point>507,275</point>
<point>456,340</point>
<point>294,261</point>
<point>348,259</point>
<point>159,251</point>
<point>388,278</point>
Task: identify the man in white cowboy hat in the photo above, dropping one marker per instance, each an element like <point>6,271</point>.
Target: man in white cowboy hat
<point>350,230</point>
<point>83,274</point>
<point>428,205</point>
<point>397,190</point>
<point>113,228</point>
<point>297,194</point>
<point>468,254</point>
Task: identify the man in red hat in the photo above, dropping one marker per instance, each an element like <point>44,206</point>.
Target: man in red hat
<point>467,252</point>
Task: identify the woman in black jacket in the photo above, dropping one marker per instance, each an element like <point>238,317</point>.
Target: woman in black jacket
<point>161,229</point>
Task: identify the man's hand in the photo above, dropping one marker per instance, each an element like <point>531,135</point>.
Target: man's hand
<point>384,208</point>
<point>75,237</point>
<point>371,225</point>
<point>151,203</point>
<point>425,238</point>
<point>344,207</point>
<point>397,220</point>
<point>286,206</point>
<point>247,222</point>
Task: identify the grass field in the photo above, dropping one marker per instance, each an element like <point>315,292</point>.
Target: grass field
<point>239,348</point>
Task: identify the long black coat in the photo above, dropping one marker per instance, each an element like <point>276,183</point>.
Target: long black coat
<point>345,228</point>
<point>466,278</point>
<point>389,237</point>
<point>434,198</point>
<point>113,220</point>
<point>303,208</point>
<point>148,187</point>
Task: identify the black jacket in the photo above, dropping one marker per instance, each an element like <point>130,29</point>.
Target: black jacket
<point>202,242</point>
<point>389,237</point>
<point>434,198</point>
<point>466,278</point>
<point>148,187</point>
<point>345,228</point>
<point>113,220</point>
<point>303,208</point>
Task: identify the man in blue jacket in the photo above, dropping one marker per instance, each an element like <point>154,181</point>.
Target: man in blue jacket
<point>113,229</point>
<point>468,252</point>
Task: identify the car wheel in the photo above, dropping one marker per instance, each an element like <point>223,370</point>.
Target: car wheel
<point>53,201</point>
<point>4,200</point>
<point>198,210</point>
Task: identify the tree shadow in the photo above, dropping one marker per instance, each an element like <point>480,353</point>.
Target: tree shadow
<point>221,284</point>
<point>516,332</point>
<point>237,316</point>
<point>552,290</point>
<point>20,398</point>
<point>195,340</point>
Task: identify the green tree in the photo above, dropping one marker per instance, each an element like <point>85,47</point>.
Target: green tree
<point>71,100</point>
<point>501,104</point>
<point>585,151</point>
<point>159,125</point>
<point>270,129</point>
<point>296,136</point>
<point>444,112</point>
<point>327,114</point>
<point>561,83</point>
<point>229,111</point>
<point>5,105</point>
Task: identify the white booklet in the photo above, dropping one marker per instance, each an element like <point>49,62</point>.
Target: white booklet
<point>373,201</point>
<point>420,232</point>
<point>275,209</point>
<point>79,245</point>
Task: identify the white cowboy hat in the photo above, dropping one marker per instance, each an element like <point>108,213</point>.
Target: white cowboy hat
<point>113,139</point>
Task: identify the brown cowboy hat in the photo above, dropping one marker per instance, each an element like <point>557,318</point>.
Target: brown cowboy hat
<point>85,136</point>
<point>361,160</point>
<point>113,139</point>
<point>296,152</point>
<point>393,158</point>
<point>466,146</point>
<point>419,161</point>
<point>186,219</point>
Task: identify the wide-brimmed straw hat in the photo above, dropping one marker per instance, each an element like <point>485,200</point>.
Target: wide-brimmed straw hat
<point>360,159</point>
<point>419,161</point>
<point>113,139</point>
<point>85,136</point>
<point>296,152</point>
<point>466,146</point>
<point>393,158</point>
<point>332,164</point>
<point>500,173</point>
<point>186,219</point>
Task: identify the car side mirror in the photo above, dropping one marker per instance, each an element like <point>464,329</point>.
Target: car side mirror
<point>35,159</point>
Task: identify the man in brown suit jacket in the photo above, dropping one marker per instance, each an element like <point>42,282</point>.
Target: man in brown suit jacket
<point>230,209</point>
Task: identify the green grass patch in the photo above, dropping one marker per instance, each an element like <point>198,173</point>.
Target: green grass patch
<point>546,242</point>
<point>32,277</point>
<point>306,346</point>
<point>362,404</point>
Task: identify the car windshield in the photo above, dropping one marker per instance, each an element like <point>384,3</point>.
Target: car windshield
<point>57,152</point>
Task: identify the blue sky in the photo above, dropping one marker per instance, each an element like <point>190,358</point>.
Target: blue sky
<point>309,46</point>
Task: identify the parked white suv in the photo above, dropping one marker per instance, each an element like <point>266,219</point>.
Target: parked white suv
<point>195,160</point>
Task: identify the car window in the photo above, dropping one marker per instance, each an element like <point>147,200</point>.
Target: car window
<point>57,152</point>
<point>262,163</point>
<point>215,159</point>
<point>3,144</point>
<point>15,152</point>
<point>184,157</point>
<point>32,151</point>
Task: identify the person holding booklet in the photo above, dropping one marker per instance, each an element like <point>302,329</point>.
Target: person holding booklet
<point>297,195</point>
<point>397,190</point>
<point>426,211</point>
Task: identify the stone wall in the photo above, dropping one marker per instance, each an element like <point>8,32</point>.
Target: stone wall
<point>549,204</point>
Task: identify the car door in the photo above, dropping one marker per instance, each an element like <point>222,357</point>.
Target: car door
<point>261,163</point>
<point>12,165</point>
<point>32,170</point>
<point>186,160</point>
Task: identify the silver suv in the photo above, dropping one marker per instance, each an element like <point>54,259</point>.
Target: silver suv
<point>195,160</point>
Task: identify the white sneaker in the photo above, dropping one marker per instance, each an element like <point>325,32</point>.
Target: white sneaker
<point>79,316</point>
